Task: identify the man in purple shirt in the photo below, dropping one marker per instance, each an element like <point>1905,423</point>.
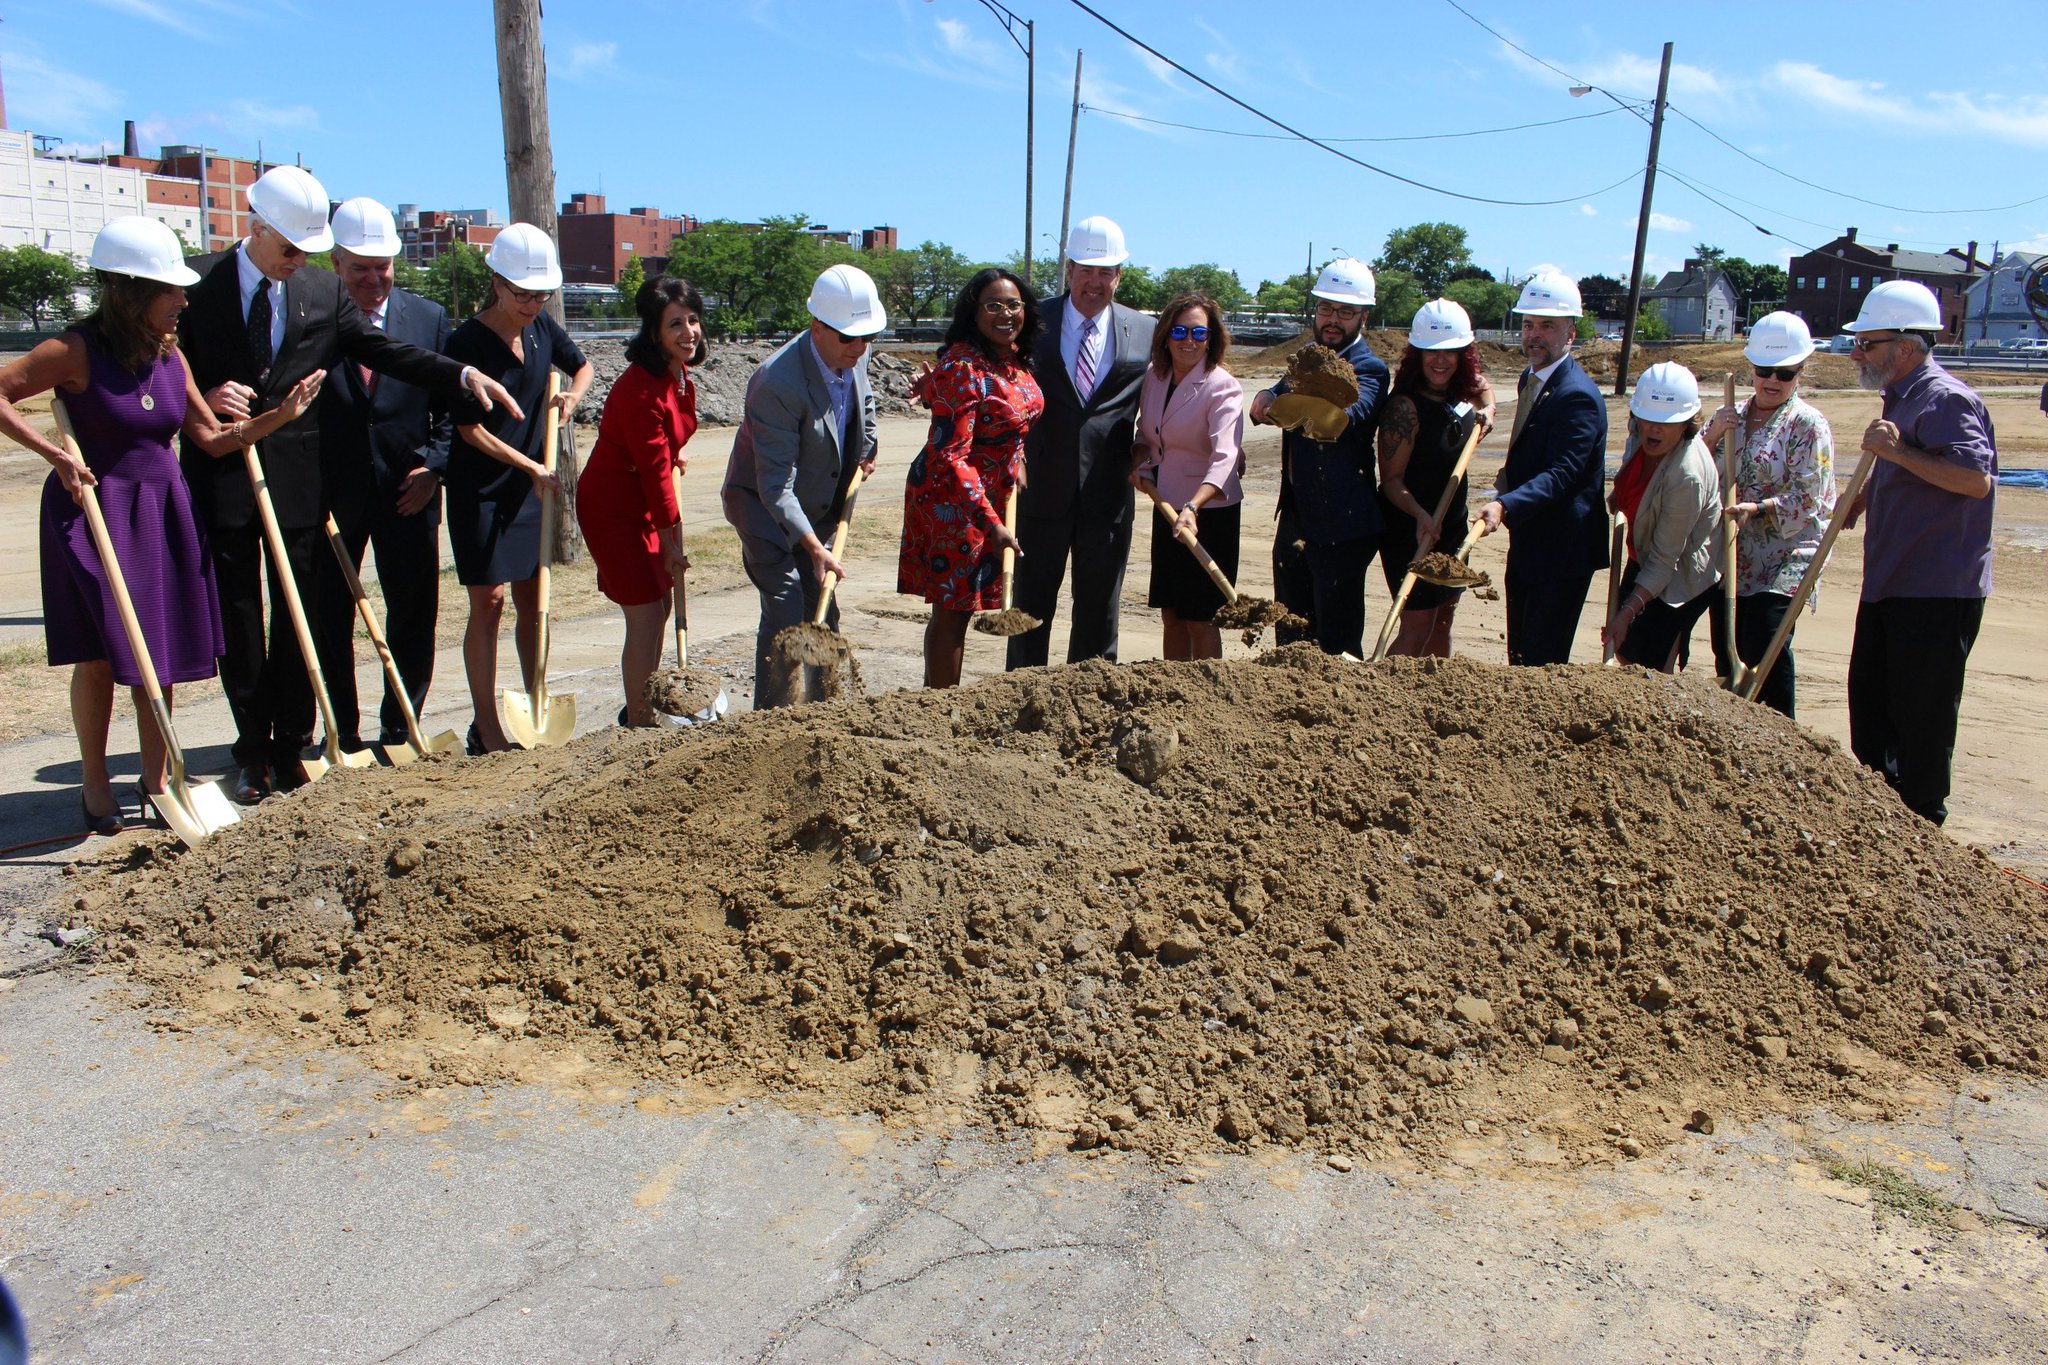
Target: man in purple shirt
<point>1927,552</point>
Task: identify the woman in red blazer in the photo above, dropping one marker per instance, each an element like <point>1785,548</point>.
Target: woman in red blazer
<point>1190,446</point>
<point>626,497</point>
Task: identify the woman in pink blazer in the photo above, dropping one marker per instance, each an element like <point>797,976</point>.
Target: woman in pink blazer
<point>1190,445</point>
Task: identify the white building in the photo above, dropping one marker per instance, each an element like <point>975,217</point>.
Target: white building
<point>60,205</point>
<point>1995,305</point>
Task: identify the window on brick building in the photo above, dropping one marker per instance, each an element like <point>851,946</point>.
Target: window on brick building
<point>1820,282</point>
<point>1802,282</point>
<point>1855,281</point>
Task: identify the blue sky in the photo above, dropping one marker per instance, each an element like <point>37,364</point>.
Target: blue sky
<point>910,112</point>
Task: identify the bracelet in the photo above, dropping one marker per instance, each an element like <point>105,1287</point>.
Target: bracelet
<point>235,434</point>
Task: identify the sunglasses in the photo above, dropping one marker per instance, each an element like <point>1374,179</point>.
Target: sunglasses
<point>845,340</point>
<point>1869,343</point>
<point>1771,372</point>
<point>1180,333</point>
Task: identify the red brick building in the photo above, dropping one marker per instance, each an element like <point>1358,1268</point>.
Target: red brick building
<point>596,243</point>
<point>1827,286</point>
<point>427,233</point>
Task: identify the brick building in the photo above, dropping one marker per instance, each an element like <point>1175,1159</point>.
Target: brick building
<point>425,234</point>
<point>1827,285</point>
<point>596,243</point>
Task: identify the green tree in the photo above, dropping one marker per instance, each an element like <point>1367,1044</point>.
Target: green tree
<point>1709,255</point>
<point>1603,296</point>
<point>630,279</point>
<point>1139,288</point>
<point>1045,275</point>
<point>1468,272</point>
<point>456,279</point>
<point>1285,296</point>
<point>1754,283</point>
<point>39,284</point>
<point>750,276</point>
<point>1397,295</point>
<point>1650,324</point>
<point>1427,253</point>
<point>922,281</point>
<point>1486,302</point>
<point>1206,278</point>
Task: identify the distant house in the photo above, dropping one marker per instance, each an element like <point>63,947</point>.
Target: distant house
<point>1828,284</point>
<point>1697,301</point>
<point>1995,305</point>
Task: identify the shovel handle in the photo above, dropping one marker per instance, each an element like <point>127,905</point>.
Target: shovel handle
<point>1617,542</point>
<point>550,515</point>
<point>682,594</point>
<point>1730,533</point>
<point>1811,578</point>
<point>295,605</point>
<point>838,544</point>
<point>138,644</point>
<point>376,630</point>
<point>1010,551</point>
<point>1391,626</point>
<point>1187,538</point>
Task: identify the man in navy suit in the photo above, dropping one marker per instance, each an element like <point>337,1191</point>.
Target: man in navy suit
<point>1552,490</point>
<point>1077,499</point>
<point>383,450</point>
<point>1329,527</point>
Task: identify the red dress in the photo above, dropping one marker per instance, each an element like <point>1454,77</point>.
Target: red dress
<point>960,483</point>
<point>625,494</point>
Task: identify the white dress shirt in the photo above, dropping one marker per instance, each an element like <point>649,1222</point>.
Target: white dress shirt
<point>838,388</point>
<point>250,278</point>
<point>1101,351</point>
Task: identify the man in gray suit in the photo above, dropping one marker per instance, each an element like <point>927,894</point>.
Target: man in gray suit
<point>810,420</point>
<point>1077,498</point>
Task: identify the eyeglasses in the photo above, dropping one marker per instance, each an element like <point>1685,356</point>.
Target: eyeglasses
<point>1869,343</point>
<point>1770,372</point>
<point>1180,333</point>
<point>1344,311</point>
<point>997,306</point>
<point>530,295</point>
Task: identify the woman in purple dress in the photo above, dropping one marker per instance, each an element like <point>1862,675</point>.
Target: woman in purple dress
<point>128,391</point>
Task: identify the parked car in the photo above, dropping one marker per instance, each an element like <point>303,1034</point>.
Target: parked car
<point>1838,345</point>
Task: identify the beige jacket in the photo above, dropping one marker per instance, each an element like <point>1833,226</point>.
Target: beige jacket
<point>1674,530</point>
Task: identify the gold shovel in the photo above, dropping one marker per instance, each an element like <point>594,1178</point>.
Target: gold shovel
<point>415,747</point>
<point>1729,534</point>
<point>1010,620</point>
<point>192,810</point>
<point>288,586</point>
<point>1755,682</point>
<point>812,643</point>
<point>1239,612</point>
<point>534,717</point>
<point>686,692</point>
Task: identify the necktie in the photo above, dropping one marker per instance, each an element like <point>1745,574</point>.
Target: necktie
<point>1084,362</point>
<point>364,373</point>
<point>259,331</point>
<point>1525,395</point>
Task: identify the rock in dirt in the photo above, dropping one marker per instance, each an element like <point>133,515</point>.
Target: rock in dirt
<point>956,905</point>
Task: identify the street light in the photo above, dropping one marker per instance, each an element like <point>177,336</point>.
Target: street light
<point>1028,45</point>
<point>1635,276</point>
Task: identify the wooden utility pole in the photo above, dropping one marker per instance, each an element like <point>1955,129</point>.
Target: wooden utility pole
<point>530,187</point>
<point>1067,195</point>
<point>1635,279</point>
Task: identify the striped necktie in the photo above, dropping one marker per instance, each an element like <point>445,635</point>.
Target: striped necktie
<point>1084,362</point>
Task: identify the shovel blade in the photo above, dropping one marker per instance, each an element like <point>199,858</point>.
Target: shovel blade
<point>447,742</point>
<point>398,755</point>
<point>316,768</point>
<point>194,810</point>
<point>516,716</point>
<point>558,720</point>
<point>361,758</point>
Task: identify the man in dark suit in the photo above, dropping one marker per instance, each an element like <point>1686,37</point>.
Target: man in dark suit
<point>1329,527</point>
<point>258,321</point>
<point>1077,499</point>
<point>383,451</point>
<point>1552,489</point>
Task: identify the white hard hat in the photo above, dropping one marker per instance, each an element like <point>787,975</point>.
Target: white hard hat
<point>1548,294</point>
<point>144,248</point>
<point>1440,325</point>
<point>1666,392</point>
<point>294,205</point>
<point>366,228</point>
<point>1096,240</point>
<point>1778,339</point>
<point>1345,281</point>
<point>1901,306</point>
<point>525,257</point>
<point>845,299</point>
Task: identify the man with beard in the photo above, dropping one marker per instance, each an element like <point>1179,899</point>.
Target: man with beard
<point>1552,489</point>
<point>1077,498</point>
<point>1329,527</point>
<point>1926,553</point>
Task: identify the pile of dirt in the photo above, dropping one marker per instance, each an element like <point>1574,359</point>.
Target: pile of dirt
<point>722,379</point>
<point>1162,907</point>
<point>1712,362</point>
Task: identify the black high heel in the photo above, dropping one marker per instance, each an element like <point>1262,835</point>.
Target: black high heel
<point>99,824</point>
<point>475,742</point>
<point>146,814</point>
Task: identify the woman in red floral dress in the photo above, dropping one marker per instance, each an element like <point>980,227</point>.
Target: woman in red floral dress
<point>983,400</point>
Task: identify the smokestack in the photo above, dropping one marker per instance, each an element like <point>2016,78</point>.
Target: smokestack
<point>1850,235</point>
<point>131,144</point>
<point>1970,257</point>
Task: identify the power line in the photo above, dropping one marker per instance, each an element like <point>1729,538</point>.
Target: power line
<point>1413,137</point>
<point>1136,42</point>
<point>1767,208</point>
<point>1736,213</point>
<point>1840,194</point>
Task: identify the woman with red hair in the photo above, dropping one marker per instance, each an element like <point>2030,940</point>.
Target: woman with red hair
<point>1419,445</point>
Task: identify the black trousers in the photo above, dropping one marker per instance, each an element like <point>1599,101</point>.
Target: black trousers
<point>409,570</point>
<point>268,691</point>
<point>1543,615</point>
<point>1099,542</point>
<point>1757,617</point>
<point>1661,631</point>
<point>1906,690</point>
<point>1325,583</point>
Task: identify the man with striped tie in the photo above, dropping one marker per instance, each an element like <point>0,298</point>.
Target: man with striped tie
<point>1077,497</point>
<point>1551,493</point>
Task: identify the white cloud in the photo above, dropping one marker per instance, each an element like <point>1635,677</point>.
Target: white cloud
<point>2010,118</point>
<point>1809,82</point>
<point>1226,61</point>
<point>1664,222</point>
<point>2016,119</point>
<point>1589,211</point>
<point>1629,73</point>
<point>47,96</point>
<point>155,12</point>
<point>589,59</point>
<point>1161,72</point>
<point>252,116</point>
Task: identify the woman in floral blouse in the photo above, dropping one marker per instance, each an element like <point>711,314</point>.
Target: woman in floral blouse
<point>983,401</point>
<point>1784,495</point>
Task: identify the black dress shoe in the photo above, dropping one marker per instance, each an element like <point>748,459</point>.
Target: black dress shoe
<point>289,775</point>
<point>99,824</point>
<point>252,784</point>
<point>393,739</point>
